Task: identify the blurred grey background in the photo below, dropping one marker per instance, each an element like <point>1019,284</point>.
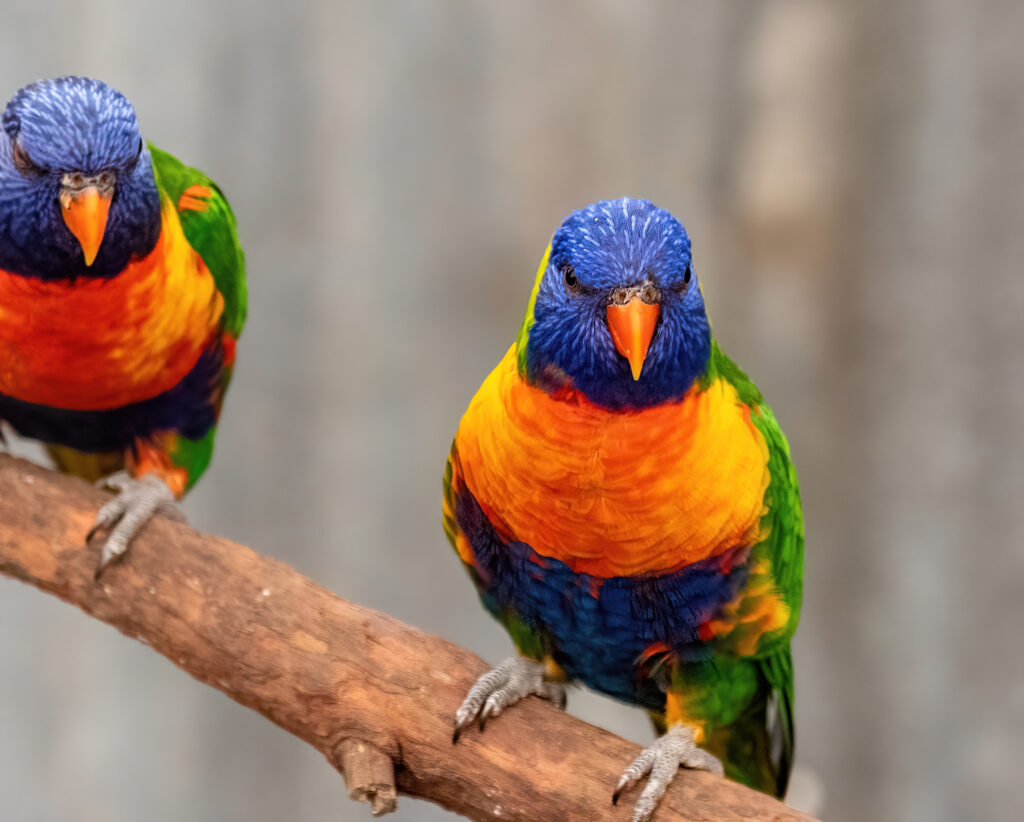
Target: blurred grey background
<point>853,179</point>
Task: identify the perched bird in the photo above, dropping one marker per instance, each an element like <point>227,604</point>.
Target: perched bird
<point>625,504</point>
<point>122,295</point>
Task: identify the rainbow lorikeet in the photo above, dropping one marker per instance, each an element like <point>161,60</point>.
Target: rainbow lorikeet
<point>122,295</point>
<point>625,503</point>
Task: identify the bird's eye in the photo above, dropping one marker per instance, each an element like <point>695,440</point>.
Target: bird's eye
<point>23,162</point>
<point>572,282</point>
<point>682,286</point>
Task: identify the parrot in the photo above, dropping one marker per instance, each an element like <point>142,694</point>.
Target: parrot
<point>625,504</point>
<point>122,298</point>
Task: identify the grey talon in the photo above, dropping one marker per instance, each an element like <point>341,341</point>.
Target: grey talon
<point>137,501</point>
<point>660,763</point>
<point>513,680</point>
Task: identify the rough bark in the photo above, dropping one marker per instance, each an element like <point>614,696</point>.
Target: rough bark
<point>375,696</point>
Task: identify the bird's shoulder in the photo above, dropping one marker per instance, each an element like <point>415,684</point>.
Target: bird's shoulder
<point>210,228</point>
<point>765,613</point>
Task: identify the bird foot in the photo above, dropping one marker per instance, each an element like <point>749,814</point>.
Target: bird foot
<point>515,679</point>
<point>660,763</point>
<point>138,499</point>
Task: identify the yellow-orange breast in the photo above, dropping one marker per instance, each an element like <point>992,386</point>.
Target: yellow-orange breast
<point>614,493</point>
<point>99,344</point>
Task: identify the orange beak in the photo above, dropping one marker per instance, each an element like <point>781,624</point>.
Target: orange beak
<point>85,214</point>
<point>632,326</point>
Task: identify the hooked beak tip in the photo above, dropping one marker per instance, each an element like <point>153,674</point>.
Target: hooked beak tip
<point>632,328</point>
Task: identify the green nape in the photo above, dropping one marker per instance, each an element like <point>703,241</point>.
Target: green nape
<point>211,232</point>
<point>719,365</point>
<point>524,330</point>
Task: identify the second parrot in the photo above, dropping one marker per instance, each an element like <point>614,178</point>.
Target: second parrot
<point>122,295</point>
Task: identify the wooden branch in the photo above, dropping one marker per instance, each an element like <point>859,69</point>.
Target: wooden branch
<point>376,697</point>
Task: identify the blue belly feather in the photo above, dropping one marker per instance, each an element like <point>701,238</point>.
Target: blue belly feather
<point>600,629</point>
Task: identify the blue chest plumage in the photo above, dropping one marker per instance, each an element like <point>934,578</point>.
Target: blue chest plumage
<point>601,631</point>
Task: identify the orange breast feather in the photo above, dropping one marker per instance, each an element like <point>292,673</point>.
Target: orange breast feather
<point>611,493</point>
<point>99,344</point>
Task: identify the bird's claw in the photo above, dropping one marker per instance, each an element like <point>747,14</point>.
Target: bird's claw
<point>138,499</point>
<point>513,680</point>
<point>660,763</point>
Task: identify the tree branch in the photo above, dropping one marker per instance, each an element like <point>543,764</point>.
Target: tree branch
<point>373,695</point>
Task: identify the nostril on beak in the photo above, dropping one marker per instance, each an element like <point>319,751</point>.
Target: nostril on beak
<point>622,296</point>
<point>650,293</point>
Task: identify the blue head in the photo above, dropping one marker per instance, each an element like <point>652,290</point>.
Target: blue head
<point>618,312</point>
<point>77,193</point>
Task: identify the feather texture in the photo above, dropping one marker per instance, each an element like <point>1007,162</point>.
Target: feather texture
<point>123,362</point>
<point>646,539</point>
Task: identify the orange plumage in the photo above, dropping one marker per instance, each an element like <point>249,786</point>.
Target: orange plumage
<point>103,343</point>
<point>611,493</point>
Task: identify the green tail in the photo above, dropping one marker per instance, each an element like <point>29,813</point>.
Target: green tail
<point>757,748</point>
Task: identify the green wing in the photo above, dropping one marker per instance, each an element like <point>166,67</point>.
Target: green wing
<point>778,671</point>
<point>784,550</point>
<point>209,226</point>
<point>780,556</point>
<point>210,231</point>
<point>783,545</point>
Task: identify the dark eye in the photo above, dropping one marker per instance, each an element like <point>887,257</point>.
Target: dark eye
<point>687,276</point>
<point>23,163</point>
<point>572,282</point>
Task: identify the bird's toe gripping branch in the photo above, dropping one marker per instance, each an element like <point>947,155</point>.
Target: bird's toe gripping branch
<point>137,501</point>
<point>660,763</point>
<point>515,679</point>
